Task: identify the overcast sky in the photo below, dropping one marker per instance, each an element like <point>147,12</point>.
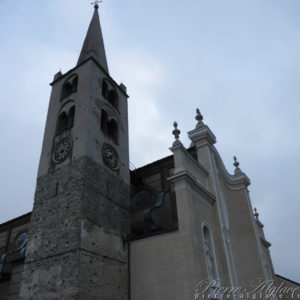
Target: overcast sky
<point>238,61</point>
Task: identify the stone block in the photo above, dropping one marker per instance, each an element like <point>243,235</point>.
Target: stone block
<point>106,213</point>
<point>106,283</point>
<point>51,278</point>
<point>118,192</point>
<point>103,242</point>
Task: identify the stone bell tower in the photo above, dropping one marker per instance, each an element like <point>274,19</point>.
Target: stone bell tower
<point>80,219</point>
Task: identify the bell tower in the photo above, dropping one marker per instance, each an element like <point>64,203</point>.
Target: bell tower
<point>80,219</point>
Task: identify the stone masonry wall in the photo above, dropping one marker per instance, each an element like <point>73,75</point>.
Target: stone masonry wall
<point>78,233</point>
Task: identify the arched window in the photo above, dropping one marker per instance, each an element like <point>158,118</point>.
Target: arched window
<point>75,83</point>
<point>62,123</point>
<point>71,115</point>
<point>105,89</point>
<point>112,98</point>
<point>104,121</point>
<point>112,130</point>
<point>69,87</point>
<point>109,127</point>
<point>109,93</point>
<point>210,255</point>
<point>65,121</point>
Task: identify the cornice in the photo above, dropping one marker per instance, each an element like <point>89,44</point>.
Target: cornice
<point>190,159</point>
<point>192,180</point>
<point>202,132</point>
<point>265,242</point>
<point>233,182</point>
<point>100,67</point>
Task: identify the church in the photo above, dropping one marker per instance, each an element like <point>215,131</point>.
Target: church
<point>178,228</point>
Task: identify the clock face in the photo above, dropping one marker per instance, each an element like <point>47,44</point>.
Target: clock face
<point>62,150</point>
<point>110,156</point>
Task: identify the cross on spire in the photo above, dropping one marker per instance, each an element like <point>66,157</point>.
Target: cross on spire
<point>96,3</point>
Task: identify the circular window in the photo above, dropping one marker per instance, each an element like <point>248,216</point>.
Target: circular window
<point>21,240</point>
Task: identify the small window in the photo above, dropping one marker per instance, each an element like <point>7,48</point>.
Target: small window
<point>74,83</point>
<point>105,89</point>
<point>104,121</point>
<point>62,123</point>
<point>21,240</point>
<point>71,115</point>
<point>112,130</point>
<point>69,87</point>
<point>109,93</point>
<point>109,127</point>
<point>65,121</point>
<point>112,98</point>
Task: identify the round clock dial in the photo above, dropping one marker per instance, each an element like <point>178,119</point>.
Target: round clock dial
<point>110,156</point>
<point>62,150</point>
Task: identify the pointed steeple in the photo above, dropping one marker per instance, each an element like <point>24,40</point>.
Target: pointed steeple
<point>93,45</point>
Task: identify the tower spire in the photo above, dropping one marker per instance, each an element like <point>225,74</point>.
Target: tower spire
<point>93,45</point>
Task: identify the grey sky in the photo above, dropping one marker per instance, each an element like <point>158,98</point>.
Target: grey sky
<point>238,61</point>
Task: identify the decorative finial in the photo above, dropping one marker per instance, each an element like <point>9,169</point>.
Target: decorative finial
<point>199,118</point>
<point>256,214</point>
<point>236,163</point>
<point>237,170</point>
<point>176,133</point>
<point>96,6</point>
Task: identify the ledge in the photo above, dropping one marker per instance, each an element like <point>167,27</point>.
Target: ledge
<point>196,184</point>
<point>284,278</point>
<point>234,182</point>
<point>265,242</point>
<point>153,234</point>
<point>102,69</point>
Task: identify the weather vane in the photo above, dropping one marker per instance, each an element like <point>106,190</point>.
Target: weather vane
<point>96,3</point>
